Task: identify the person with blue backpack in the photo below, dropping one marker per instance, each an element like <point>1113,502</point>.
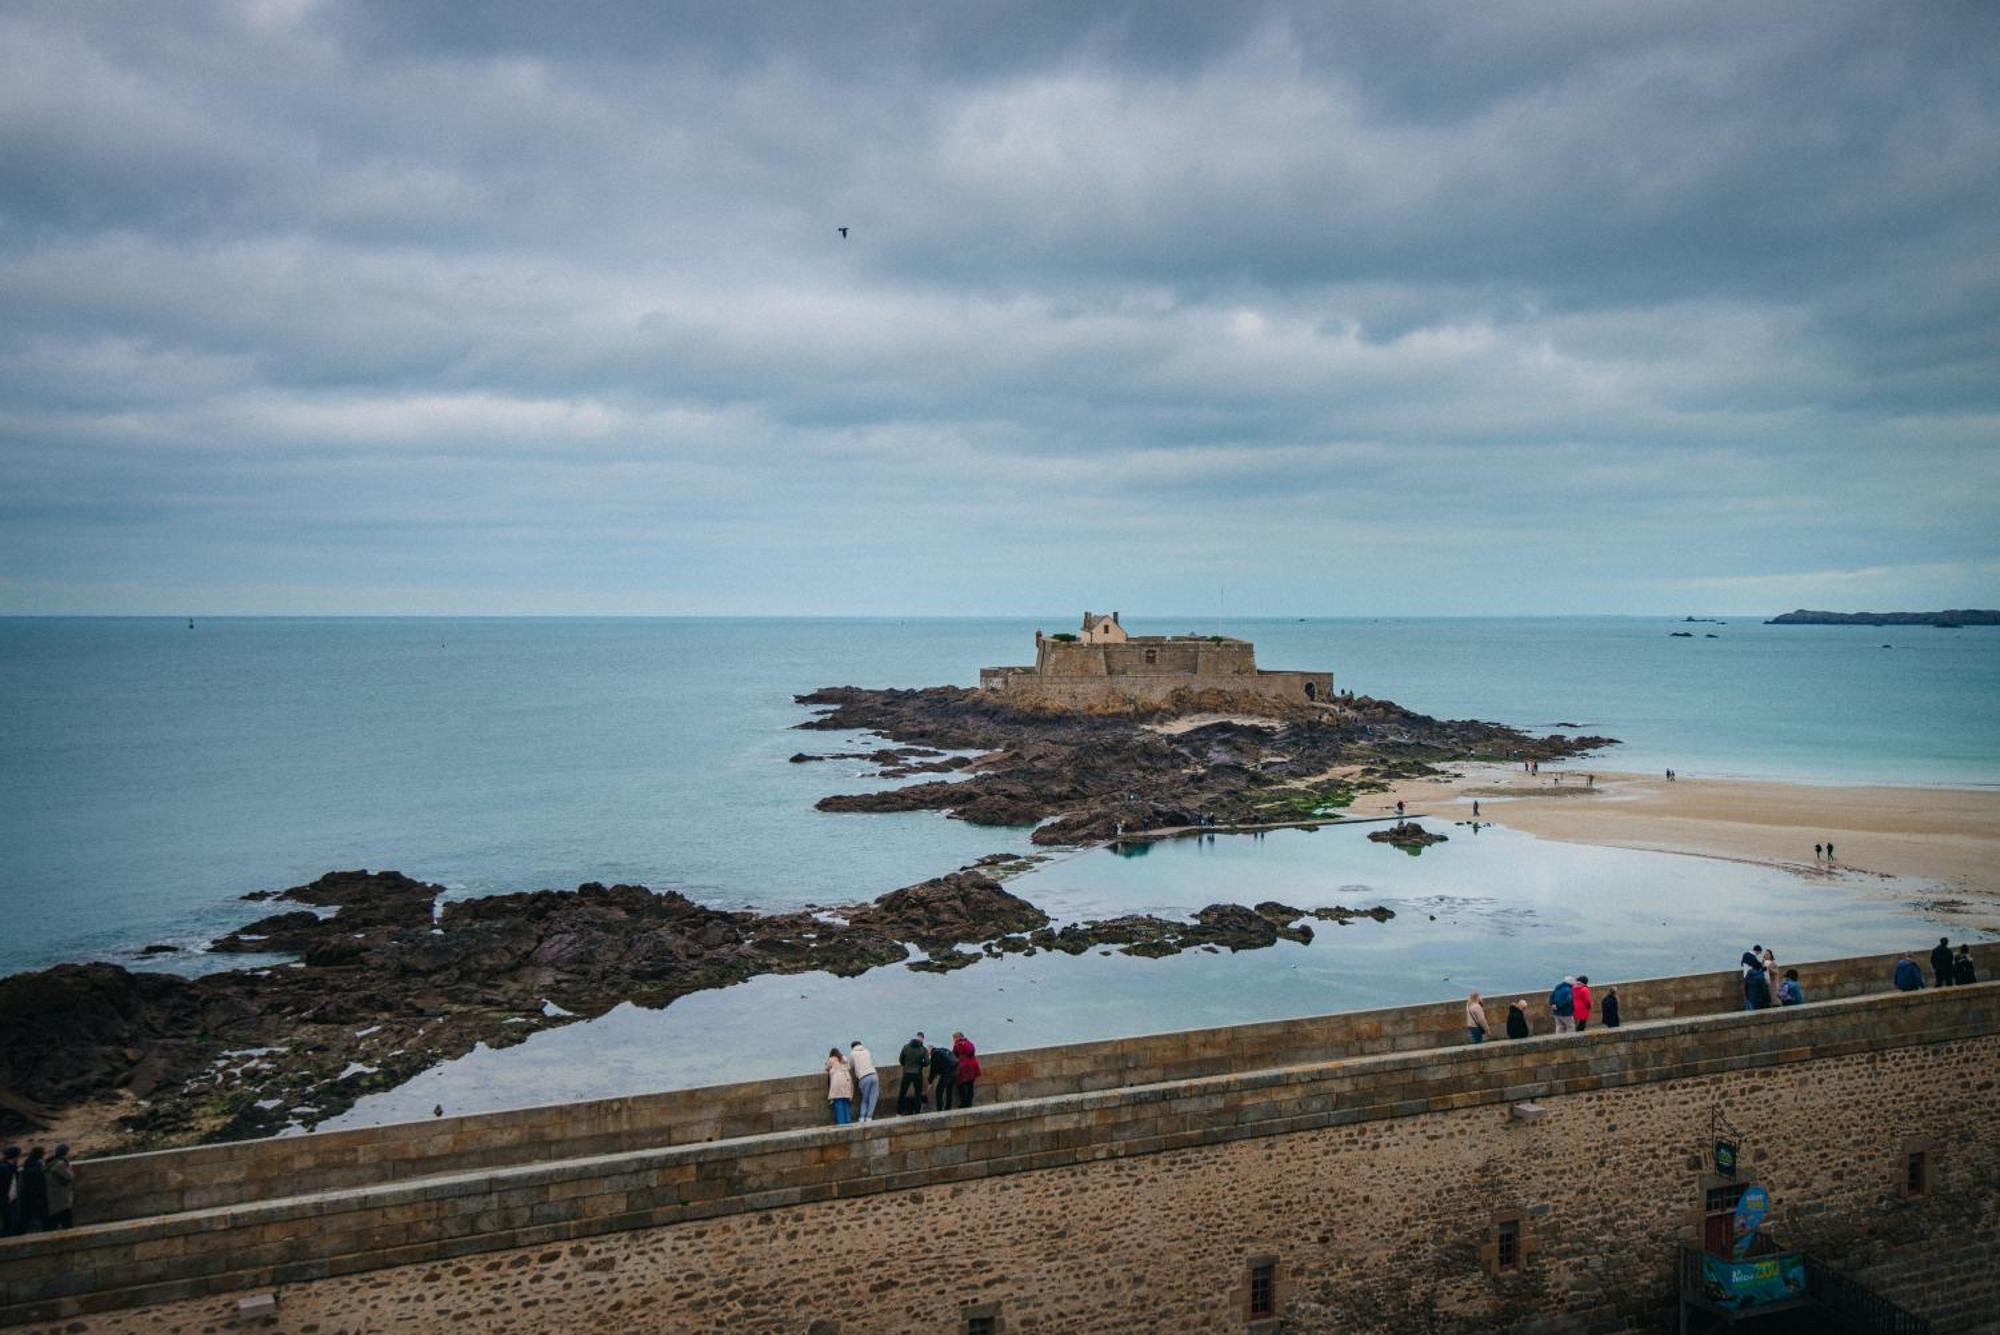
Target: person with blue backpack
<point>1562,1005</point>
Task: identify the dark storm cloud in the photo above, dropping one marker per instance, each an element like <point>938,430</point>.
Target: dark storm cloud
<point>414,306</point>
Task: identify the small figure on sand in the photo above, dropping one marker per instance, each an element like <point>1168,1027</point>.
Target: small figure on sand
<point>1475,808</point>
<point>1829,850</point>
<point>1399,809</point>
<point>1817,853</point>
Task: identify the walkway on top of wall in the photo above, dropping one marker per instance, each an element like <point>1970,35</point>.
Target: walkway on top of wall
<point>215,1177</point>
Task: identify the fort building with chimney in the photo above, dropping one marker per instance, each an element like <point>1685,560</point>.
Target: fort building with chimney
<point>1104,667</point>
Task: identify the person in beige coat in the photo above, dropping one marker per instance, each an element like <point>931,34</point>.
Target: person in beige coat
<point>1475,1019</point>
<point>62,1189</point>
<point>839,1087</point>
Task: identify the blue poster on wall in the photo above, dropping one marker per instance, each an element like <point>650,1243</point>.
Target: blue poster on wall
<point>1768,1279</point>
<point>1751,1207</point>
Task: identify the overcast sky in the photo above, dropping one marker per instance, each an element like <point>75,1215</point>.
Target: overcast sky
<point>1321,309</point>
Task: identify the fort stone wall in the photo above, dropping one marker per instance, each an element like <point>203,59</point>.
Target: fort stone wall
<point>1374,1185</point>
<point>1374,1188</point>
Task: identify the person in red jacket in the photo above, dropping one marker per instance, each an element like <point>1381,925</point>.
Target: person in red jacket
<point>1580,1001</point>
<point>968,1067</point>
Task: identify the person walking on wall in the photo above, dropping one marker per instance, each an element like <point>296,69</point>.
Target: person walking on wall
<point>1941,966</point>
<point>1475,1019</point>
<point>912,1060</point>
<point>1757,989</point>
<point>10,1207</point>
<point>1908,977</point>
<point>32,1187</point>
<point>1789,991</point>
<point>1580,1002</point>
<point>1517,1019</point>
<point>62,1189</point>
<point>839,1087</point>
<point>1963,973</point>
<point>868,1085</point>
<point>1607,1008</point>
<point>1562,1005</point>
<point>967,1074</point>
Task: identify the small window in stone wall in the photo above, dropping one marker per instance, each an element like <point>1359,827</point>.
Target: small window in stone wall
<point>1508,1243</point>
<point>983,1320</point>
<point>1263,1291</point>
<point>1152,655</point>
<point>1916,1172</point>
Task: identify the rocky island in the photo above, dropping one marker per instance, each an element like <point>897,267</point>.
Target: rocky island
<point>392,977</point>
<point>1951,619</point>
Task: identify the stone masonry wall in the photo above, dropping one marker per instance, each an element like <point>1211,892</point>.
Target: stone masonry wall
<point>209,1176</point>
<point>1380,1223</point>
<point>1373,1181</point>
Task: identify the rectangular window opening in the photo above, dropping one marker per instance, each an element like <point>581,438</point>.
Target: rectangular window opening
<point>981,1325</point>
<point>1507,1253</point>
<point>1916,1172</point>
<point>1263,1290</point>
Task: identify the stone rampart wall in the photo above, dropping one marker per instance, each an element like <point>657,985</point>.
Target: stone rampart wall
<point>1837,1087</point>
<point>209,1176</point>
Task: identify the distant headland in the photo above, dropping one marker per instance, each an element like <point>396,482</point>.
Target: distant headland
<point>1947,620</point>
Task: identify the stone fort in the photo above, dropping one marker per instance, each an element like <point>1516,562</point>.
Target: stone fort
<point>1103,667</point>
<point>1351,1172</point>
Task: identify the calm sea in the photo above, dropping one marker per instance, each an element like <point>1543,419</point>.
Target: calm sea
<point>150,774</point>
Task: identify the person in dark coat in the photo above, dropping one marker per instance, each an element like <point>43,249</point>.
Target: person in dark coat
<point>1757,990</point>
<point>914,1057</point>
<point>10,1209</point>
<point>1607,1006</point>
<point>32,1187</point>
<point>944,1078</point>
<point>1963,974</point>
<point>1941,967</point>
<point>1517,1020</point>
<point>1909,978</point>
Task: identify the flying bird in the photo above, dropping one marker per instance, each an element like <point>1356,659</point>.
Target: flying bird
<point>843,231</point>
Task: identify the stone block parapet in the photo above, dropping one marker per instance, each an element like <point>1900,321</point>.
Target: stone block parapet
<point>304,1238</point>
<point>214,1176</point>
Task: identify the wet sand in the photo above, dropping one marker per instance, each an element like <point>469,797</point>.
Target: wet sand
<point>1947,835</point>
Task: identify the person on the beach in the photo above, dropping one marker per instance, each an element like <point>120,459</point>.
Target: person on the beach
<point>839,1087</point>
<point>1399,808</point>
<point>1562,1005</point>
<point>1475,808</point>
<point>1789,991</point>
<point>1607,1008</point>
<point>968,1067</point>
<point>1757,989</point>
<point>62,1189</point>
<point>1816,852</point>
<point>914,1057</point>
<point>1909,978</point>
<point>1941,966</point>
<point>1963,974</point>
<point>1475,1019</point>
<point>1517,1019</point>
<point>31,1187</point>
<point>868,1085</point>
<point>944,1078</point>
<point>1579,1000</point>
<point>10,1209</point>
<point>1829,850</point>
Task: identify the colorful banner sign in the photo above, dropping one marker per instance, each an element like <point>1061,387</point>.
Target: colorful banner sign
<point>1768,1279</point>
<point>1725,1158</point>
<point>1751,1207</point>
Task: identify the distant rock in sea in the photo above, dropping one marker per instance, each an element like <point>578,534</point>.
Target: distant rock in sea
<point>1950,619</point>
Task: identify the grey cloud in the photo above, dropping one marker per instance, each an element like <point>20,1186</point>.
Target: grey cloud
<point>1670,285</point>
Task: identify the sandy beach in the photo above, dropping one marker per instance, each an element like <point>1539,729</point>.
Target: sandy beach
<point>1947,835</point>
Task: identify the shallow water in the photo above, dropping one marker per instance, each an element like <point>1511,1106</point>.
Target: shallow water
<point>1499,911</point>
<point>151,774</point>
